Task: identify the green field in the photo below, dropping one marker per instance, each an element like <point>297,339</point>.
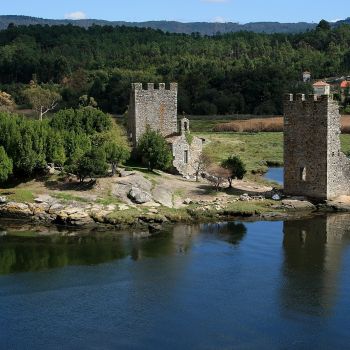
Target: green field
<point>257,150</point>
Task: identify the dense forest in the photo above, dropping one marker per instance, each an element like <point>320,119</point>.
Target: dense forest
<point>231,73</point>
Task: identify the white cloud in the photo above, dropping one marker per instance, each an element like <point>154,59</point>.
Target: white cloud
<point>215,1</point>
<point>75,15</point>
<point>219,19</point>
<point>335,20</point>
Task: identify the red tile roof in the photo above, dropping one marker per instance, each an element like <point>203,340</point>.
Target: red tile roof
<point>321,83</point>
<point>344,84</point>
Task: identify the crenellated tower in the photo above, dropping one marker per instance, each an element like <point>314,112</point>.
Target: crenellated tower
<point>153,106</point>
<point>314,165</point>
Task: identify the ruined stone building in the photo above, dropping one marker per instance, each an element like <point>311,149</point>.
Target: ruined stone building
<point>314,165</point>
<point>156,108</point>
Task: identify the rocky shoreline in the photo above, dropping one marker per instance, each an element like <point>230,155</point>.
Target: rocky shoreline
<point>46,210</point>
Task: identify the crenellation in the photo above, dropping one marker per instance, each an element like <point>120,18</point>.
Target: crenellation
<point>314,164</point>
<point>156,108</point>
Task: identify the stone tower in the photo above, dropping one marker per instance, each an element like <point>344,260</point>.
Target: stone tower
<point>314,165</point>
<point>153,107</point>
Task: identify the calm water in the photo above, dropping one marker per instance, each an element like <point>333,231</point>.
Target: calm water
<point>275,174</point>
<point>262,285</point>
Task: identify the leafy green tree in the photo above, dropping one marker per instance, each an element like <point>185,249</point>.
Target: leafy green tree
<point>236,168</point>
<point>116,154</point>
<point>6,165</point>
<point>154,150</point>
<point>42,100</point>
<point>92,164</point>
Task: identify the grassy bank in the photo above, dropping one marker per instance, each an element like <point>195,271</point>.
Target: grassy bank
<point>257,150</point>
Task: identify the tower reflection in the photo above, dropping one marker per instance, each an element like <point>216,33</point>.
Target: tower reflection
<point>313,251</point>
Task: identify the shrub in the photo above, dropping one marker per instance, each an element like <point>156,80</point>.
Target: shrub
<point>154,150</point>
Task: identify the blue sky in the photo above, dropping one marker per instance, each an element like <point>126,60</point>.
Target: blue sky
<point>242,11</point>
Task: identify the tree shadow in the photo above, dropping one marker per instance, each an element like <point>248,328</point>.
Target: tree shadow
<point>70,185</point>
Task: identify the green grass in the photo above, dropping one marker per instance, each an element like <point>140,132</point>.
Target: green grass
<point>205,125</point>
<point>19,195</point>
<point>257,150</point>
<point>345,143</point>
<point>69,197</point>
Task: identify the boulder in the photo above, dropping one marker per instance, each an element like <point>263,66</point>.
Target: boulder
<point>298,204</point>
<point>188,201</point>
<point>3,199</point>
<point>139,196</point>
<point>14,209</point>
<point>163,195</point>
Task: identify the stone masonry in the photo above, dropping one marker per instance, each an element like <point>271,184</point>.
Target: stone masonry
<point>156,108</point>
<point>314,165</point>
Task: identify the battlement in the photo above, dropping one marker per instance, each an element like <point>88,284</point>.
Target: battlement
<point>152,86</point>
<point>307,98</point>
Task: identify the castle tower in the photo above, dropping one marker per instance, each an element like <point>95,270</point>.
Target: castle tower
<point>314,165</point>
<point>153,107</point>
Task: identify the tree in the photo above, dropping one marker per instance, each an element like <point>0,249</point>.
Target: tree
<point>42,100</point>
<point>91,164</point>
<point>6,101</point>
<point>154,150</point>
<point>236,168</point>
<point>323,25</point>
<point>85,101</point>
<point>116,153</point>
<point>6,165</point>
<point>201,164</point>
<point>217,175</point>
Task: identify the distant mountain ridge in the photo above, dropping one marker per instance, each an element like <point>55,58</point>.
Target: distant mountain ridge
<point>204,28</point>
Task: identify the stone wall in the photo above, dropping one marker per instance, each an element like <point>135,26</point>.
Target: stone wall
<point>155,107</point>
<point>179,146</point>
<point>314,164</point>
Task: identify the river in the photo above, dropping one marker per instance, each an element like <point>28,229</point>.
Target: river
<point>239,285</point>
<point>275,174</point>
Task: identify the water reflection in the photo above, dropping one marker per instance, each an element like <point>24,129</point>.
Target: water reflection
<point>313,251</point>
<point>231,232</point>
<point>23,254</point>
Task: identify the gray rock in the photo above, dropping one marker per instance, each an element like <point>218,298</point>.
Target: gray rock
<point>276,197</point>
<point>298,205</point>
<point>139,196</point>
<point>163,195</point>
<point>244,197</point>
<point>3,199</point>
<point>188,201</point>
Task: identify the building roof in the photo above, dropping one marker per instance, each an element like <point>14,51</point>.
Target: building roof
<point>344,84</point>
<point>321,83</point>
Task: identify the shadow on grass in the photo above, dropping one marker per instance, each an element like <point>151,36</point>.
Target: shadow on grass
<point>70,185</point>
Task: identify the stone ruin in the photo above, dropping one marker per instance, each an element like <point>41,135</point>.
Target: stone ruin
<point>156,108</point>
<point>314,165</point>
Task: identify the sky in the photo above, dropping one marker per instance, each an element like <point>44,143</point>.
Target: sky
<point>241,11</point>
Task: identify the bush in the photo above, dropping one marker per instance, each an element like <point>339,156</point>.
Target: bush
<point>154,150</point>
<point>236,168</point>
<point>6,166</point>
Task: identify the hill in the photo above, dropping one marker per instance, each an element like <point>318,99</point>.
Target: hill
<point>204,28</point>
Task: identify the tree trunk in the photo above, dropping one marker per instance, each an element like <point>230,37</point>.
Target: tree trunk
<point>230,182</point>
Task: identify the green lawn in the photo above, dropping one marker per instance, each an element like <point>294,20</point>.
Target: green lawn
<point>257,150</point>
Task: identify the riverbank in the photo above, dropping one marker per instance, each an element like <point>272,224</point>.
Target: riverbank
<point>138,199</point>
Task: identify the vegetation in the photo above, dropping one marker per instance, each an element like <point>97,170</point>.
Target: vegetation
<point>236,168</point>
<point>80,140</point>
<point>229,73</point>
<point>41,100</point>
<point>274,124</point>
<point>6,165</point>
<point>154,151</point>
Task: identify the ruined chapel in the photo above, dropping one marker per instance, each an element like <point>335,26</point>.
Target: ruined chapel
<point>156,108</point>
